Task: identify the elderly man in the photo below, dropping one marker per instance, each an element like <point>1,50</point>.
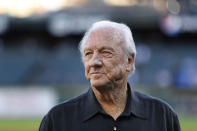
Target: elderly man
<point>108,52</point>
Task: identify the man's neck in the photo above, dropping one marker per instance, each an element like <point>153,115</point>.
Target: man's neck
<point>113,101</point>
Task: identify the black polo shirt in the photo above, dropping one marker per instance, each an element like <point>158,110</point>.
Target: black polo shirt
<point>84,113</point>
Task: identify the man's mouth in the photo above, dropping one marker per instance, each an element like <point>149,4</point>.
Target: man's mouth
<point>96,73</point>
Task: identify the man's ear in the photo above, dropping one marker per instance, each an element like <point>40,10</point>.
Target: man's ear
<point>130,63</point>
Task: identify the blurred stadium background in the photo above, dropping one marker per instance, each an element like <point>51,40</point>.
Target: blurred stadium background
<point>40,64</point>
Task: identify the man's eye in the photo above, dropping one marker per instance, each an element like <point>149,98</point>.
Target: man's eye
<point>107,53</point>
<point>88,53</point>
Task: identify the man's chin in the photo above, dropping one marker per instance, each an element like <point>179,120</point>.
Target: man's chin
<point>96,83</point>
<point>99,84</point>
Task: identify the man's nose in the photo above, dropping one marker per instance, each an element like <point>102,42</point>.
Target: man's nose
<point>95,60</point>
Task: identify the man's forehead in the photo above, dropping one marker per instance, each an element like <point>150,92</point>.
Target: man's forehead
<point>106,34</point>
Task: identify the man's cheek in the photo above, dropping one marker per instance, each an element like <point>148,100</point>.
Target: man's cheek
<point>87,76</point>
<point>118,72</point>
<point>113,73</point>
<point>87,73</point>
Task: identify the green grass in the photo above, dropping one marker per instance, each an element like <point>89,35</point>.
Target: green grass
<point>19,125</point>
<point>187,124</point>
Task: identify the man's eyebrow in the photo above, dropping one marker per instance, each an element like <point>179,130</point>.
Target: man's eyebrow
<point>102,48</point>
<point>87,49</point>
<point>108,48</point>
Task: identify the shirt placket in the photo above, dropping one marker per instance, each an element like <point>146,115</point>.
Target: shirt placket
<point>115,125</point>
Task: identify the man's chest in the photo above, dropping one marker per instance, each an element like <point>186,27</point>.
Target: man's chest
<point>108,124</point>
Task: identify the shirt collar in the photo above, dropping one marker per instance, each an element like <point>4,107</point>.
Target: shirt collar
<point>92,106</point>
<point>134,105</point>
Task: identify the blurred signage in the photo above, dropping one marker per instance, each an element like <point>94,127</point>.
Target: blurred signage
<point>174,24</point>
<point>26,102</point>
<point>63,24</point>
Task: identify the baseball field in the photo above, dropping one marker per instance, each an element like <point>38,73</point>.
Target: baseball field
<point>187,124</point>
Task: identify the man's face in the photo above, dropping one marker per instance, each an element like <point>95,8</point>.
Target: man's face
<point>104,58</point>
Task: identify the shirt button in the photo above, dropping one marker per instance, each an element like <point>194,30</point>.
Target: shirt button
<point>115,128</point>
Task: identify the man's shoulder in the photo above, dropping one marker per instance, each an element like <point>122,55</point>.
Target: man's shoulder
<point>154,102</point>
<point>69,105</point>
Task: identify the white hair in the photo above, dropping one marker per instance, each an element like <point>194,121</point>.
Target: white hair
<point>128,44</point>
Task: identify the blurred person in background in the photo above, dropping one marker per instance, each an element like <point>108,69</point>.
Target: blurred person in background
<point>108,53</point>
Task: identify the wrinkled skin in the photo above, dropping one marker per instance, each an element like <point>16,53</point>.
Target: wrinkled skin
<point>106,64</point>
